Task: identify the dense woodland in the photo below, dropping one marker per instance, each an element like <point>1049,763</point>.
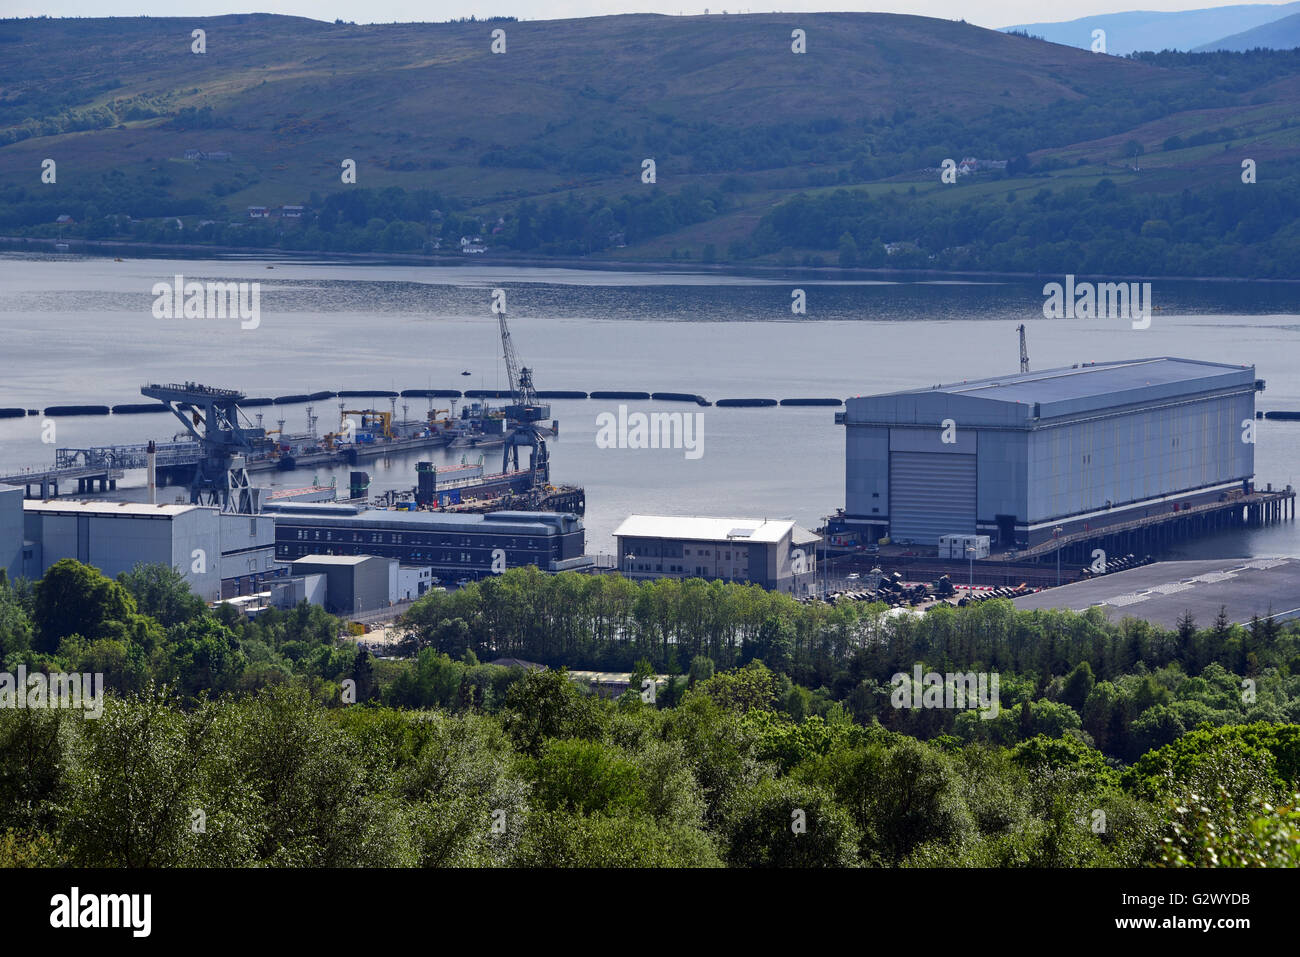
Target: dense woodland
<point>773,742</point>
<point>1054,227</point>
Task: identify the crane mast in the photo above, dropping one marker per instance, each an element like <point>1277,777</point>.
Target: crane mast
<point>1024,349</point>
<point>521,380</point>
<point>524,412</point>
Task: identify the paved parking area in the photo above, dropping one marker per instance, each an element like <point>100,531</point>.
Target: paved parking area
<point>1162,592</point>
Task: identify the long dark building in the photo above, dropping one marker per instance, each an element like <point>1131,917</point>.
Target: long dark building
<point>455,544</point>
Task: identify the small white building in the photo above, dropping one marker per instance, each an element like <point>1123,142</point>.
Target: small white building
<point>779,555</point>
<point>413,581</point>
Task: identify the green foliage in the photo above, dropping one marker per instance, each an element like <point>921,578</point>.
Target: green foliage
<point>224,742</point>
<point>900,795</point>
<point>546,704</point>
<point>788,743</point>
<point>1276,748</point>
<point>1206,834</point>
<point>751,688</point>
<point>1218,231</point>
<point>75,599</point>
<point>162,593</point>
<point>587,777</point>
<point>561,839</point>
<point>785,823</point>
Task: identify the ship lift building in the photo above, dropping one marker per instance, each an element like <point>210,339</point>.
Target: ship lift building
<point>1023,457</point>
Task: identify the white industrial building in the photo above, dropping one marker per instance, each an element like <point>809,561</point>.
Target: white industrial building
<point>779,555</point>
<point>219,555</point>
<point>413,581</point>
<point>116,536</point>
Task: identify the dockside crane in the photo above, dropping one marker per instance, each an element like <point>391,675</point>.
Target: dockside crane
<point>524,412</point>
<point>212,417</point>
<point>1024,349</point>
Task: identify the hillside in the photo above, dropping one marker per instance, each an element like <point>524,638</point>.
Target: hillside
<point>1281,34</point>
<point>1151,30</point>
<point>540,149</point>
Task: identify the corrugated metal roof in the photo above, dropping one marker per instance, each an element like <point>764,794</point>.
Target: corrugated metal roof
<point>698,529</point>
<point>520,523</point>
<point>1091,379</point>
<point>337,559</point>
<point>111,509</point>
<point>1015,400</point>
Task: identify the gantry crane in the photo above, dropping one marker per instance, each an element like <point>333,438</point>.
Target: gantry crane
<point>525,412</point>
<point>220,477</point>
<point>370,419</point>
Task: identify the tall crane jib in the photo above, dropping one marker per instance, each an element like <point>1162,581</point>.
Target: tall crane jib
<point>212,416</point>
<point>524,412</point>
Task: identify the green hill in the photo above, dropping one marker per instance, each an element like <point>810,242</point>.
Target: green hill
<point>561,122</point>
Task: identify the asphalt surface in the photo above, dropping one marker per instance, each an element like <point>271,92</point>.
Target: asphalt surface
<point>1162,592</point>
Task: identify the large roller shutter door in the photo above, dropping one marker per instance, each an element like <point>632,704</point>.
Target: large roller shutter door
<point>930,494</point>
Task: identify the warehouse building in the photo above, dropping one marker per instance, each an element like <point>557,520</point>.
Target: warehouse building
<point>455,544</point>
<point>780,556</point>
<point>116,536</point>
<point>353,583</point>
<point>1022,456</point>
<point>220,555</point>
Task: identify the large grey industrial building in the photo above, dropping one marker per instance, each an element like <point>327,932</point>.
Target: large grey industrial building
<point>1019,456</point>
<point>219,554</point>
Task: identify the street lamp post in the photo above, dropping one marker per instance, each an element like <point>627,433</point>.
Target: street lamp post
<point>1056,532</point>
<point>970,585</point>
<point>629,558</point>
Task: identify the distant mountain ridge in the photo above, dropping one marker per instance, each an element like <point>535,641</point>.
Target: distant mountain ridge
<point>1154,30</point>
<point>1281,34</point>
<point>652,138</point>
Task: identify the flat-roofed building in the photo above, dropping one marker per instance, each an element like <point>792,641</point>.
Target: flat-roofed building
<point>353,583</point>
<point>779,555</point>
<point>116,536</point>
<point>219,554</point>
<point>1018,456</point>
<point>454,544</point>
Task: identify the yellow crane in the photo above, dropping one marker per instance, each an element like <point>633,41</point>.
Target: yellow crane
<point>370,419</point>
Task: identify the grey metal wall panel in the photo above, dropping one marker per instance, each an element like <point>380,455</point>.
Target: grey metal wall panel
<point>1003,478</point>
<point>83,539</point>
<point>867,471</point>
<point>931,494</point>
<point>11,530</point>
<point>960,441</point>
<point>1080,466</point>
